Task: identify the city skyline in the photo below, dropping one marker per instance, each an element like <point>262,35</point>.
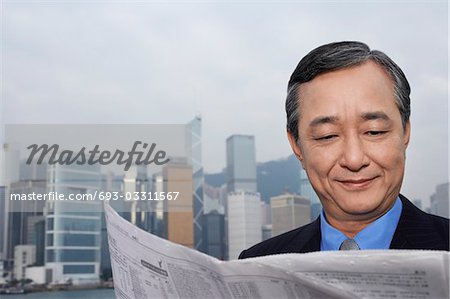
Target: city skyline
<point>164,63</point>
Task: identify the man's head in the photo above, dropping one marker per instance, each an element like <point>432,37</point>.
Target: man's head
<point>348,123</point>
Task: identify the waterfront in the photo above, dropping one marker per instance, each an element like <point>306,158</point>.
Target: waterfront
<point>82,294</point>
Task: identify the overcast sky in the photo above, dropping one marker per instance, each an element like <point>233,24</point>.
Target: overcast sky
<point>144,62</point>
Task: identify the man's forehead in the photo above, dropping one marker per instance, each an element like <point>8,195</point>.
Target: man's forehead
<point>363,117</point>
<point>366,89</point>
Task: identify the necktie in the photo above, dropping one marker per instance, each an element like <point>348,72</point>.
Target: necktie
<point>349,244</point>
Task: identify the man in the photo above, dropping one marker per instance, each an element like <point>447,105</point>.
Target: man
<point>348,113</point>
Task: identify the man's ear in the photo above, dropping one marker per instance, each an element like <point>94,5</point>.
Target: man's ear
<point>407,133</point>
<point>295,147</point>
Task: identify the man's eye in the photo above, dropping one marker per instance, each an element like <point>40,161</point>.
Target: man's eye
<point>376,133</point>
<point>327,137</point>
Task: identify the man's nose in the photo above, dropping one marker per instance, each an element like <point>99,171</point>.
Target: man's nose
<point>354,155</point>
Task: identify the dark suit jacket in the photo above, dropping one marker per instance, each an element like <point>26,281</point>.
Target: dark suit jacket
<point>415,230</point>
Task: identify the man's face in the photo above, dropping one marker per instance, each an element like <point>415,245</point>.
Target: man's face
<point>351,142</point>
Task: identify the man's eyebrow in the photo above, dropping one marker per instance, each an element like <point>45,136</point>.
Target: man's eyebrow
<point>377,115</point>
<point>321,120</point>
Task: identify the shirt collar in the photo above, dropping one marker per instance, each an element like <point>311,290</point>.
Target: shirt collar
<point>377,235</point>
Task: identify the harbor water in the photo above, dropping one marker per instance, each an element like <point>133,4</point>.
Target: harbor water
<point>83,294</point>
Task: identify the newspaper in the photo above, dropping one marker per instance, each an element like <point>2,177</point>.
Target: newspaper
<point>146,266</point>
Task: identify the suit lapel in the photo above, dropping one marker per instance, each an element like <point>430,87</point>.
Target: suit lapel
<point>307,240</point>
<point>414,229</point>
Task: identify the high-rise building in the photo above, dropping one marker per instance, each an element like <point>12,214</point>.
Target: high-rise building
<point>39,241</point>
<point>214,234</point>
<point>2,221</point>
<point>213,205</point>
<point>178,214</point>
<point>244,221</point>
<point>9,172</point>
<point>266,231</point>
<point>158,205</point>
<point>307,191</point>
<point>22,214</point>
<point>241,163</point>
<point>212,199</point>
<point>72,250</point>
<point>195,154</point>
<point>289,211</point>
<point>137,212</point>
<point>24,256</point>
<point>266,211</point>
<point>439,200</point>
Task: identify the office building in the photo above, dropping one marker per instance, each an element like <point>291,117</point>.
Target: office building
<point>214,234</point>
<point>289,211</point>
<point>266,213</point>
<point>110,183</point>
<point>213,199</point>
<point>178,214</point>
<point>3,225</point>
<point>266,231</point>
<point>194,151</point>
<point>244,221</point>
<point>24,256</point>
<point>439,201</point>
<point>72,250</point>
<point>158,205</point>
<point>39,241</point>
<point>307,191</point>
<point>241,163</point>
<point>137,211</point>
<point>22,214</point>
<point>9,172</point>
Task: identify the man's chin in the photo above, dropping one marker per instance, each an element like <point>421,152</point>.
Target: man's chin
<point>359,207</point>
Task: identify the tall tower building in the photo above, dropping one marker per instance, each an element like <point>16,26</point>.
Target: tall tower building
<point>158,206</point>
<point>195,154</point>
<point>307,191</point>
<point>439,200</point>
<point>22,215</point>
<point>73,228</point>
<point>241,163</point>
<point>244,221</point>
<point>9,172</point>
<point>178,214</point>
<point>289,211</point>
<point>137,212</point>
<point>214,234</point>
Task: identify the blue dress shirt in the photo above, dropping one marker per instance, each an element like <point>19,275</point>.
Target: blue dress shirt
<point>377,235</point>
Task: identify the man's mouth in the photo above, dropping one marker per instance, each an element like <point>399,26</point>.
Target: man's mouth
<point>357,184</point>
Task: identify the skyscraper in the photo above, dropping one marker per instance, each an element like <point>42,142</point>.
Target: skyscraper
<point>195,153</point>
<point>22,214</point>
<point>439,200</point>
<point>137,212</point>
<point>214,234</point>
<point>244,221</point>
<point>289,211</point>
<point>158,227</point>
<point>72,250</point>
<point>241,163</point>
<point>24,255</point>
<point>9,172</point>
<point>307,191</point>
<point>178,214</point>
